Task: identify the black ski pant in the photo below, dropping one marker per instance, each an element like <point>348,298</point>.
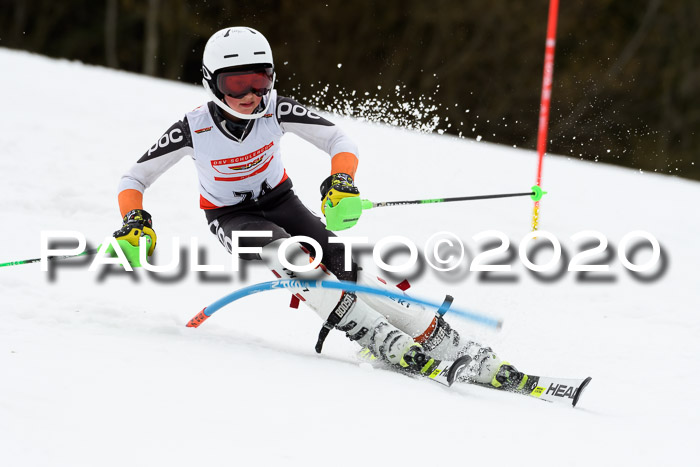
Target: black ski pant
<point>283,213</point>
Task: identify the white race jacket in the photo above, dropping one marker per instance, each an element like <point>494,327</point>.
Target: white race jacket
<point>232,171</point>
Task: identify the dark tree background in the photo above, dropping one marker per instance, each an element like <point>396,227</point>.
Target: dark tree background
<point>626,79</point>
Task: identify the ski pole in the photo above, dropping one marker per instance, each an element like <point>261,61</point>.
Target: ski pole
<point>536,194</point>
<point>347,212</point>
<point>49,258</point>
<point>130,251</point>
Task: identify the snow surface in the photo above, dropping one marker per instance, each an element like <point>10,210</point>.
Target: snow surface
<point>101,370</point>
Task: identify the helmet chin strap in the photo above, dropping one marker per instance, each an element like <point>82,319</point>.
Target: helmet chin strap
<point>222,105</point>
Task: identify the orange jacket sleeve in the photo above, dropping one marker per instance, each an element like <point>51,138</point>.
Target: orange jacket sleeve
<point>129,200</point>
<point>344,162</point>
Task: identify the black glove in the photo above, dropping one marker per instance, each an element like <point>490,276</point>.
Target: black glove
<point>335,188</point>
<point>137,223</point>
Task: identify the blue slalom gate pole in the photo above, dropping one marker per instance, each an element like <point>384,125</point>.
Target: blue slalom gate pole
<point>442,308</point>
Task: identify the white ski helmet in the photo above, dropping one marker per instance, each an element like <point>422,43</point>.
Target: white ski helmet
<point>235,52</point>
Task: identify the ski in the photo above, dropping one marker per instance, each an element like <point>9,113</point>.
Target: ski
<point>445,372</point>
<point>557,390</point>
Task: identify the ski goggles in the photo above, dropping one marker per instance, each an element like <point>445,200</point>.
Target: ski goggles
<point>238,84</point>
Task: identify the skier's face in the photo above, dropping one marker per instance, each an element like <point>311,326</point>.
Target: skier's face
<point>245,105</point>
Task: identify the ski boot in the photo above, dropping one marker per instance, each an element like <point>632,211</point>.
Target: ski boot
<point>415,360</point>
<point>485,367</point>
<point>508,378</point>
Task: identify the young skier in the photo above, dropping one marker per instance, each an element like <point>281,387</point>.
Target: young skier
<point>234,141</point>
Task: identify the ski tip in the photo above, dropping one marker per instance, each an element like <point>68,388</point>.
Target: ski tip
<point>456,368</point>
<point>580,390</point>
<point>197,320</point>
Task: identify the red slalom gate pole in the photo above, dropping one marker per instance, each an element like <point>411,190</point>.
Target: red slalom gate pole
<point>547,77</point>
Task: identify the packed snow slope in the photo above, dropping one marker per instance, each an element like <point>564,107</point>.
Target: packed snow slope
<point>100,370</point>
